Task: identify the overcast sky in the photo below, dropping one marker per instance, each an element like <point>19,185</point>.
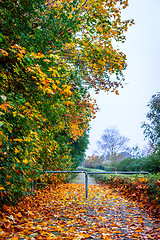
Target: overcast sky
<point>128,110</point>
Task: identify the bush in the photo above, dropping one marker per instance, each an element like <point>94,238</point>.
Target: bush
<point>150,164</point>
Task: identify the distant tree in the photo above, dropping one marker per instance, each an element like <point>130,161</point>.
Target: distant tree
<point>112,143</point>
<point>152,127</point>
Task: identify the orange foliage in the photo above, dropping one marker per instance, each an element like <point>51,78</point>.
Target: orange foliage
<point>63,212</point>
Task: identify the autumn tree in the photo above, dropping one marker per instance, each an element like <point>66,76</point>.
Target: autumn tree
<point>112,143</point>
<point>52,52</point>
<point>152,126</point>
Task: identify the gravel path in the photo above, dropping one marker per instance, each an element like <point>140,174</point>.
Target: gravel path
<point>80,178</point>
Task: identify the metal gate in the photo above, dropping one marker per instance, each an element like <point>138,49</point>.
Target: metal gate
<point>86,176</point>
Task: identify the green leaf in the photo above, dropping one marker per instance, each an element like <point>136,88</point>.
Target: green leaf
<point>9,127</point>
<point>1,123</point>
<point>1,37</point>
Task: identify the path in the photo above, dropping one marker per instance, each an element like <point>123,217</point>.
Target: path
<point>63,212</point>
<point>80,178</point>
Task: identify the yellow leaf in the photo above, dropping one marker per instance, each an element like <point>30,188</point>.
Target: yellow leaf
<point>16,151</point>
<point>50,69</point>
<point>70,16</point>
<point>57,82</point>
<point>25,161</point>
<point>18,140</point>
<point>150,237</point>
<point>55,73</point>
<point>40,55</point>
<point>17,160</point>
<point>39,227</point>
<point>19,214</point>
<point>2,188</point>
<point>14,114</point>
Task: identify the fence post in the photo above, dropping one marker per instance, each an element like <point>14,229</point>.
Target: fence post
<point>86,183</point>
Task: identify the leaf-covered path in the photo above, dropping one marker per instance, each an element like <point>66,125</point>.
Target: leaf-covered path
<point>63,212</point>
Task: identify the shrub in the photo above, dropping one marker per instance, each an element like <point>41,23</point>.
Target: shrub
<point>150,163</point>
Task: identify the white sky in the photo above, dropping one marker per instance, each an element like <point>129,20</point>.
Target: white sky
<point>128,110</point>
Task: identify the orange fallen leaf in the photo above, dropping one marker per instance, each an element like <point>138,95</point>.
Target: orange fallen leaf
<point>15,238</point>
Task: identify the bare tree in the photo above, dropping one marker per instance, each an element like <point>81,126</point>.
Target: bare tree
<point>112,143</point>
